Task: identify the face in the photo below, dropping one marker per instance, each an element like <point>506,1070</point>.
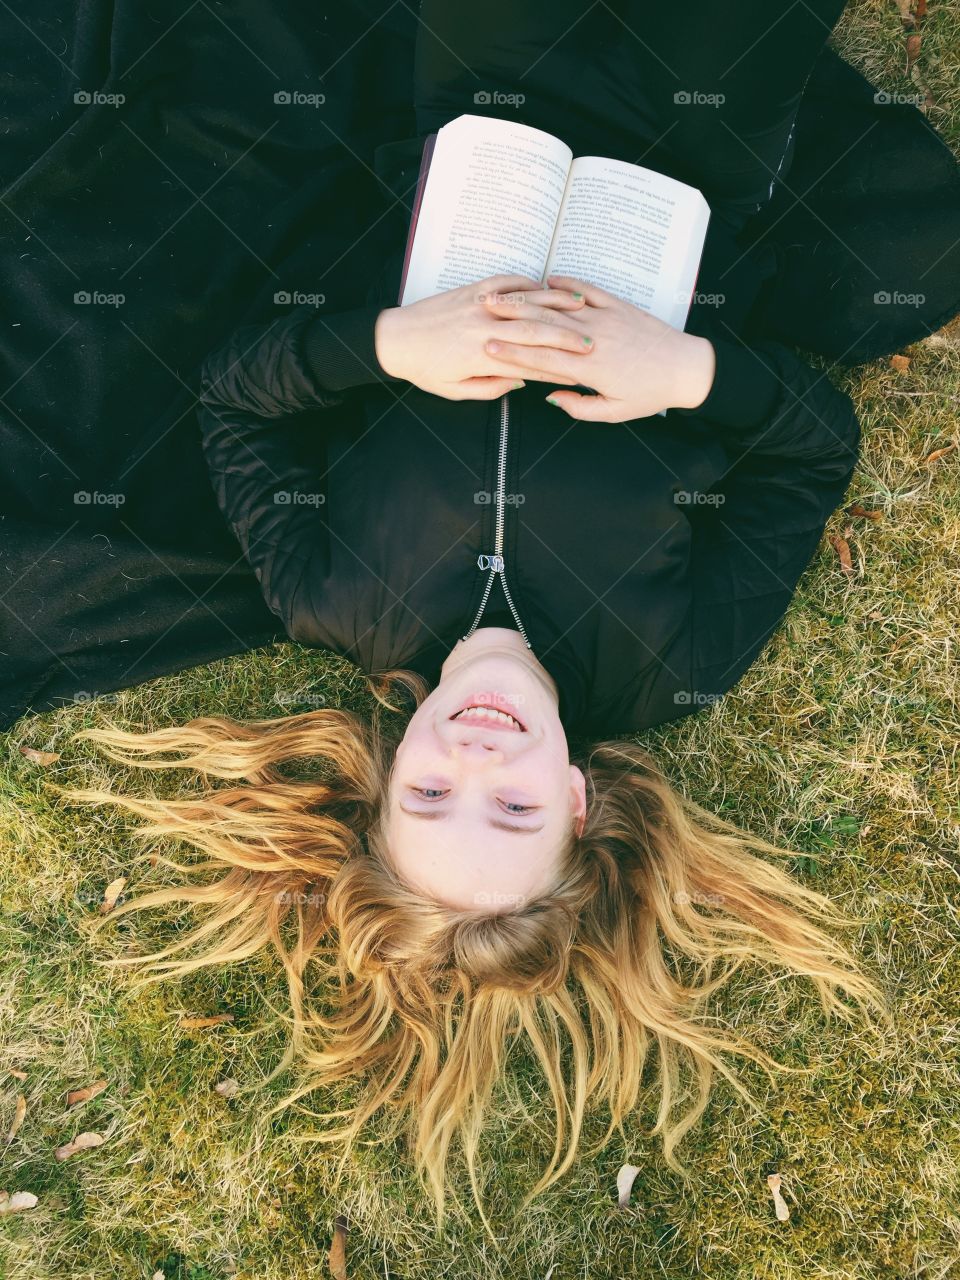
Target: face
<point>480,804</point>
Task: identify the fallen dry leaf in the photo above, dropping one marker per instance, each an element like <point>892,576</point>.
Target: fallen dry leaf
<point>913,48</point>
<point>900,363</point>
<point>625,1184</point>
<point>337,1259</point>
<point>111,894</point>
<point>82,1142</point>
<point>197,1024</point>
<point>18,1075</point>
<point>779,1204</point>
<point>76,1096</point>
<point>857,510</point>
<point>227,1088</point>
<point>40,757</point>
<point>940,453</point>
<point>158,1275</point>
<point>842,548</point>
<point>18,1116</point>
<point>17,1202</point>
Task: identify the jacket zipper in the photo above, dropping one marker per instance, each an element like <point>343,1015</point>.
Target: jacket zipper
<point>495,562</point>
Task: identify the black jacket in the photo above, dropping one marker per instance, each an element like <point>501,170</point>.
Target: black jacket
<point>648,562</point>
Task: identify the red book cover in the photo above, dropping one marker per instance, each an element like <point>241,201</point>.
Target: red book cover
<point>417,202</point>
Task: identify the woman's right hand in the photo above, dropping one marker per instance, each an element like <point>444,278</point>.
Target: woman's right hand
<point>439,343</point>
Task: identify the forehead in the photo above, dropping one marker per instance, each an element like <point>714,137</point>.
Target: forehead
<point>471,865</point>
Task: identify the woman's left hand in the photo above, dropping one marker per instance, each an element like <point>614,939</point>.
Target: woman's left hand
<point>637,364</point>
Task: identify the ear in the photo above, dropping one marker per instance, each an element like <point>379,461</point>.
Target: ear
<point>578,798</point>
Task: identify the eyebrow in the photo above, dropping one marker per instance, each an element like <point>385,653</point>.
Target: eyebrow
<point>494,822</point>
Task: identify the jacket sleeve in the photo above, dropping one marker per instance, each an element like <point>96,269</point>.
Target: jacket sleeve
<point>792,440</point>
<point>259,394</point>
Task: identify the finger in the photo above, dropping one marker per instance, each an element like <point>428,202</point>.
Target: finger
<point>534,333</point>
<point>586,408</point>
<point>594,295</point>
<point>545,301</point>
<point>538,363</point>
<point>485,388</point>
<point>504,284</point>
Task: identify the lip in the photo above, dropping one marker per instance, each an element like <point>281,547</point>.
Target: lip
<point>489,698</point>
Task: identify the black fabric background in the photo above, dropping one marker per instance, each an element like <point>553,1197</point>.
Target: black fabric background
<point>197,198</point>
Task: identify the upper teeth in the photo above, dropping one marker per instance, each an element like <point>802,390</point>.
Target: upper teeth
<point>489,713</point>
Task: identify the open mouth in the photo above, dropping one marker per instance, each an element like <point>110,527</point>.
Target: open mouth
<point>481,713</point>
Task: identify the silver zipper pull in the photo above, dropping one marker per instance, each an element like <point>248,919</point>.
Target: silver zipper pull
<point>493,562</point>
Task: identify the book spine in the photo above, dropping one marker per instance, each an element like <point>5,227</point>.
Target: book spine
<point>417,202</point>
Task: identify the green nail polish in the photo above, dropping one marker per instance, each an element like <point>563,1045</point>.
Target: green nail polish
<point>577,297</point>
<point>550,400</point>
<point>517,386</point>
<point>587,342</point>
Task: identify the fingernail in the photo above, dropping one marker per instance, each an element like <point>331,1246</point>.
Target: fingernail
<point>577,297</point>
<point>493,346</point>
<point>587,342</point>
<point>517,386</point>
<point>550,400</point>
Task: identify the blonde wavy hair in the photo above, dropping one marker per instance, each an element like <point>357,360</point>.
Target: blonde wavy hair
<point>427,1000</point>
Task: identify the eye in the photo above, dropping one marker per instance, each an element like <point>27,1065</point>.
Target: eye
<point>518,808</point>
<point>428,793</point>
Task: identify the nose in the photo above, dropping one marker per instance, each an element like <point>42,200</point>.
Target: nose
<point>471,744</point>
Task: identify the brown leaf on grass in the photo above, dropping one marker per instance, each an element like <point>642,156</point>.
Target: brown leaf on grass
<point>17,1202</point>
<point>900,363</point>
<point>18,1075</point>
<point>780,1205</point>
<point>842,548</point>
<point>228,1088</point>
<point>76,1096</point>
<point>111,894</point>
<point>940,453</point>
<point>906,12</point>
<point>40,757</point>
<point>856,510</point>
<point>197,1024</point>
<point>19,1114</point>
<point>912,43</point>
<point>625,1184</point>
<point>82,1142</point>
<point>337,1259</point>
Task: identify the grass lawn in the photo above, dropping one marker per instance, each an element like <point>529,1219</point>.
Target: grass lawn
<point>842,742</point>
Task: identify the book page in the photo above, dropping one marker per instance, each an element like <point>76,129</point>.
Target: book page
<point>633,232</point>
<point>490,205</point>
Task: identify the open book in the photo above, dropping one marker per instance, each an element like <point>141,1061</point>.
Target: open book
<point>502,197</point>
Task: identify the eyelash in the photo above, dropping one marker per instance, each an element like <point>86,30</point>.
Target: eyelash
<point>520,810</point>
